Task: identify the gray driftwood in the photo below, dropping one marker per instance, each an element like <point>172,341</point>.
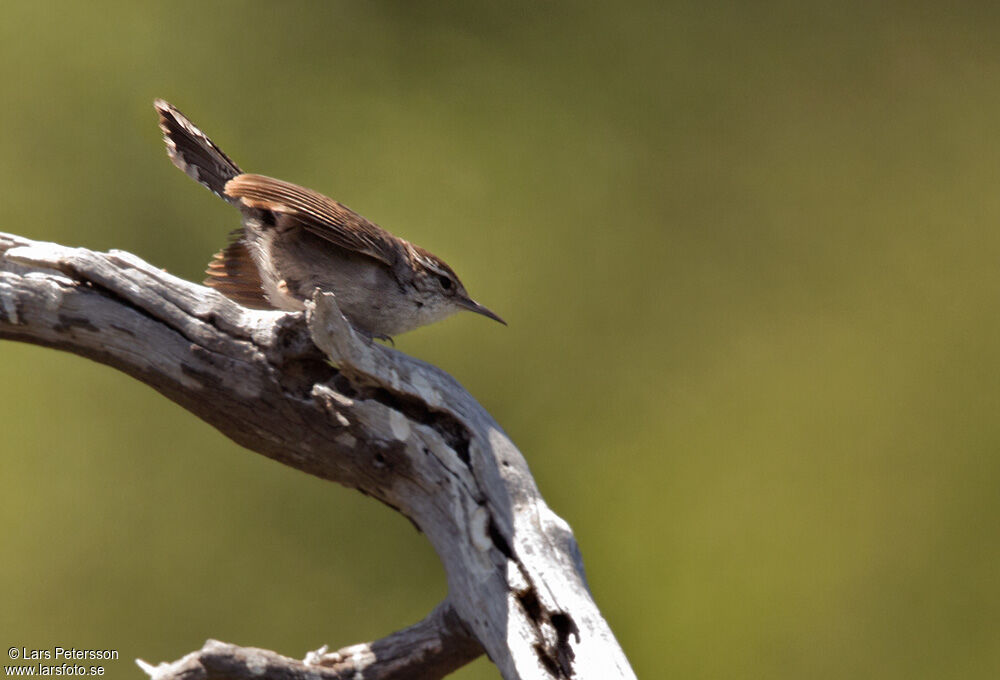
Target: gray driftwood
<point>305,390</point>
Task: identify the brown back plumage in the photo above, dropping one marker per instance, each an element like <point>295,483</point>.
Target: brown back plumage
<point>322,216</point>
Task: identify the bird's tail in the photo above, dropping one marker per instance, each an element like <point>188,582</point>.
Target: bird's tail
<point>192,151</point>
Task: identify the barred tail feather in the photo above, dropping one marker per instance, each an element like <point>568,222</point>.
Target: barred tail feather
<point>192,151</point>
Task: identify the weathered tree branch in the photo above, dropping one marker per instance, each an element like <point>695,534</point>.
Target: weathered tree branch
<point>426,650</point>
<point>305,390</point>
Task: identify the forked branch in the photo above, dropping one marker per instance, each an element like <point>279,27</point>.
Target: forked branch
<point>305,390</point>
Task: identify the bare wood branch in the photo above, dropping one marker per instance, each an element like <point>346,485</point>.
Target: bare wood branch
<point>305,390</point>
<point>426,650</point>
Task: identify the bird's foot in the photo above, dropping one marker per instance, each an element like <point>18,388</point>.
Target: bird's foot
<point>375,336</point>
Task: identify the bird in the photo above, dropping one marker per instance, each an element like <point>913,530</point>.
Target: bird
<point>294,241</point>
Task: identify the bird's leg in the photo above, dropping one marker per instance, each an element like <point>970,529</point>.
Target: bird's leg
<point>369,336</point>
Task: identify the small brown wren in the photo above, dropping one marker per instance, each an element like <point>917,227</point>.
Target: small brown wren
<point>295,240</point>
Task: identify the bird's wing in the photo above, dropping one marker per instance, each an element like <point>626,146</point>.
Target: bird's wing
<point>316,213</point>
<point>233,273</point>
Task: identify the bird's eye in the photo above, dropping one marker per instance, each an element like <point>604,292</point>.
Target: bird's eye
<point>445,282</point>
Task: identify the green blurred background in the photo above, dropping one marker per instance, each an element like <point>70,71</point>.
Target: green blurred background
<point>750,259</point>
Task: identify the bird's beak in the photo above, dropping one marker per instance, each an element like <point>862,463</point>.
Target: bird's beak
<point>473,306</point>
